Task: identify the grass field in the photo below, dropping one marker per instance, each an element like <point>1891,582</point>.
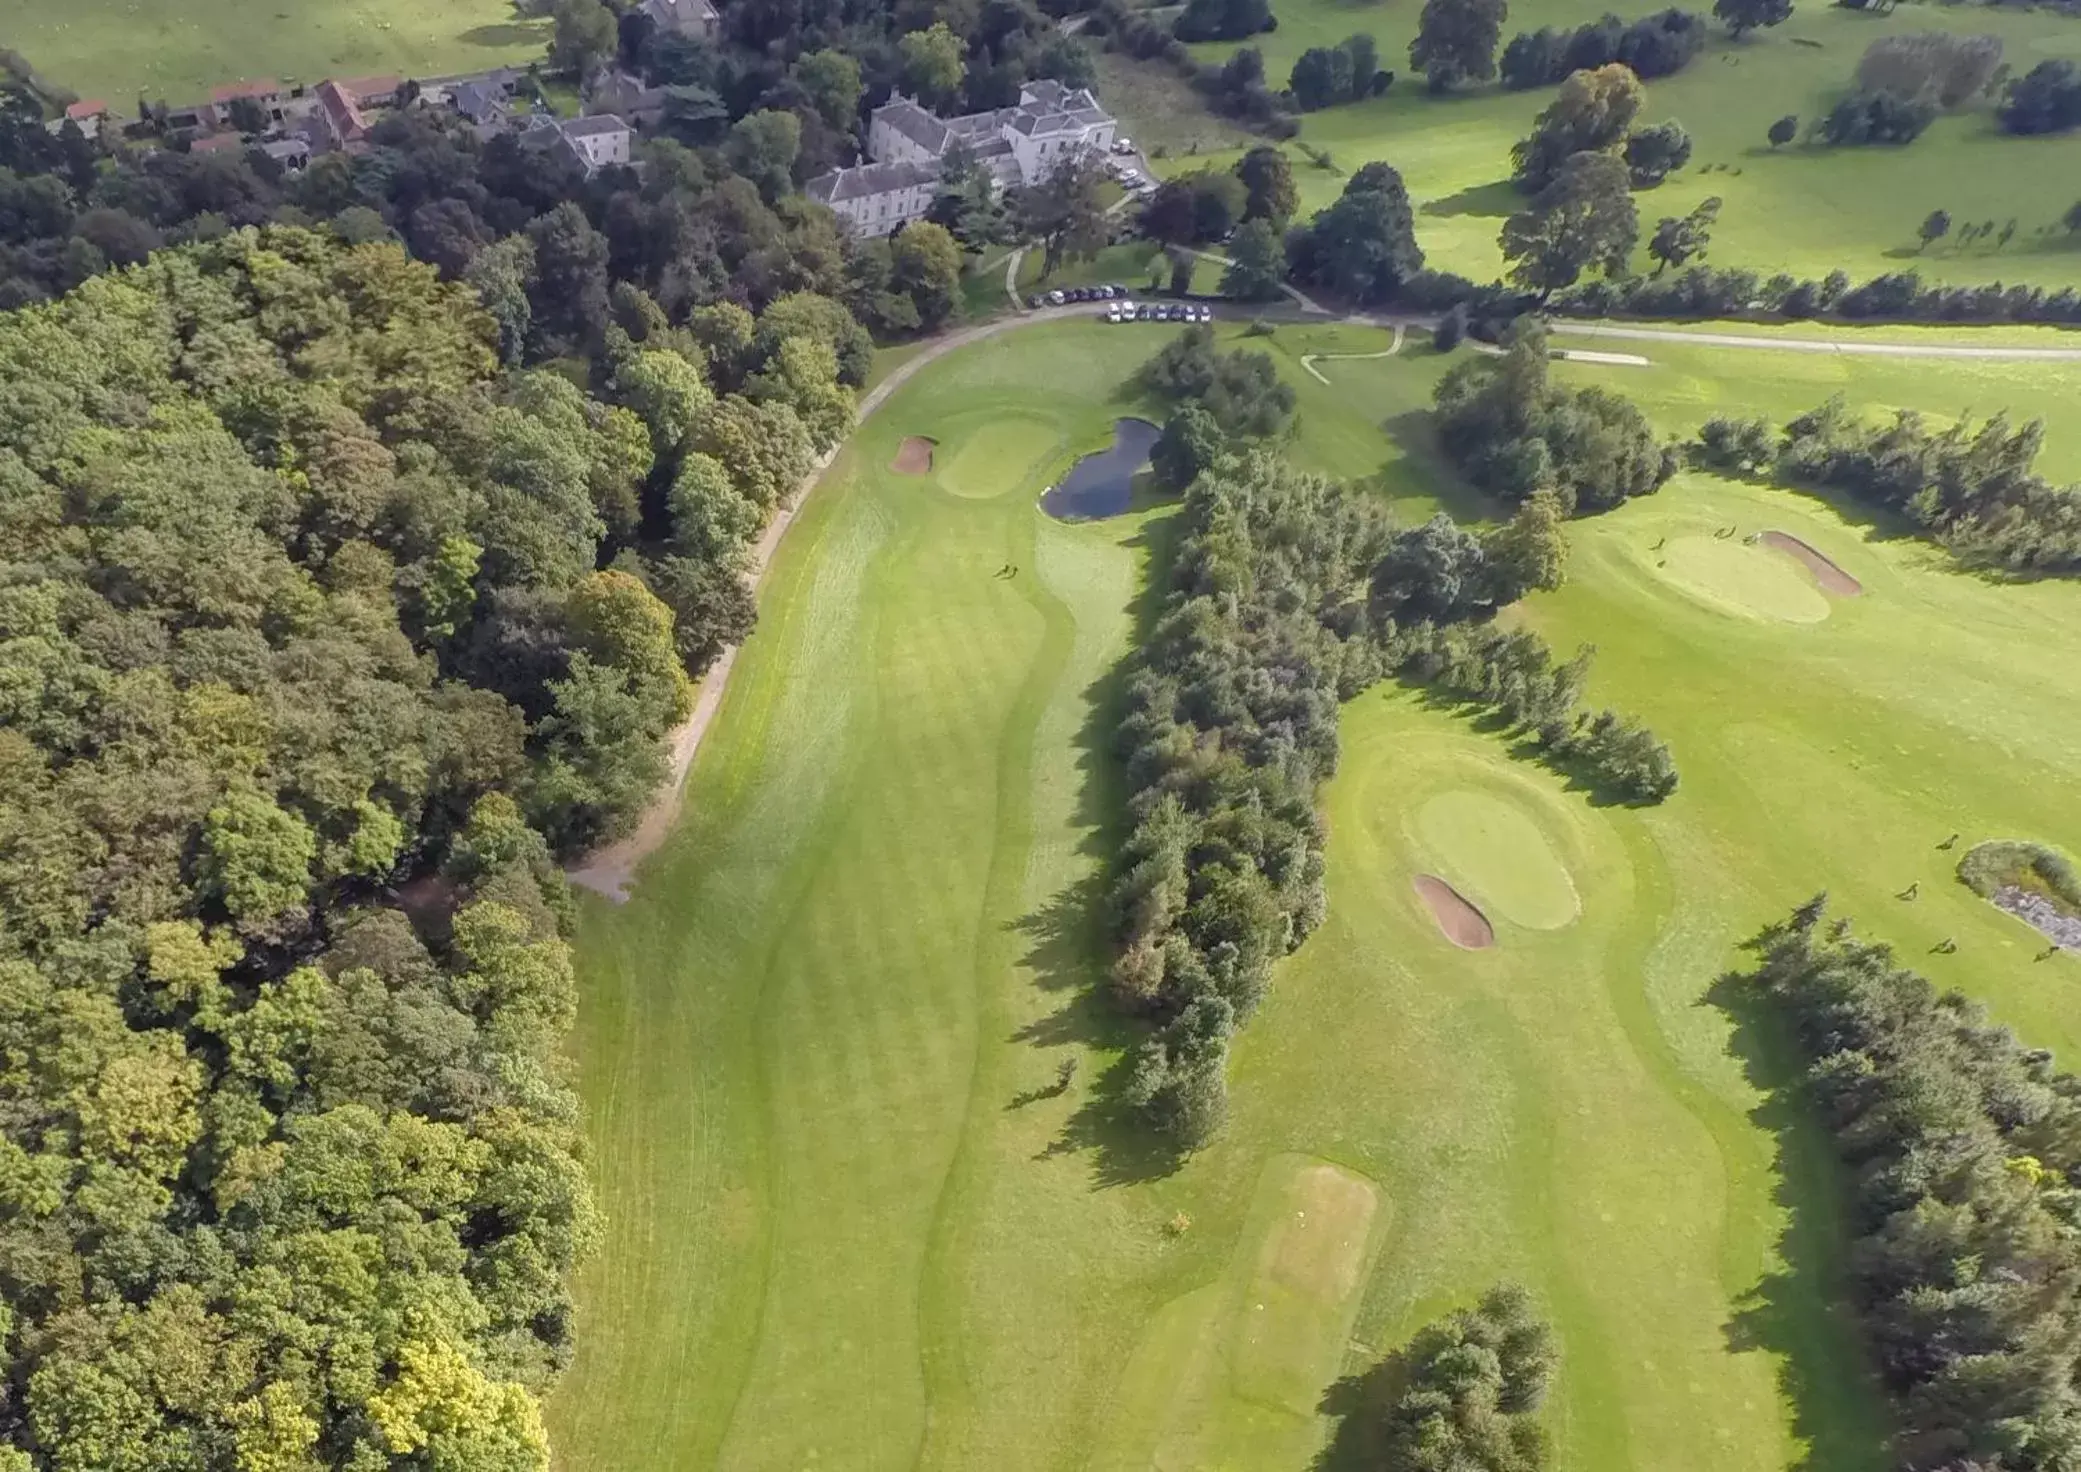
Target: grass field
<point>119,49</point>
<point>1807,210</point>
<point>849,1229</point>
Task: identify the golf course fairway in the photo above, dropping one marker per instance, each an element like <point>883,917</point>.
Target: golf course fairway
<point>853,1223</point>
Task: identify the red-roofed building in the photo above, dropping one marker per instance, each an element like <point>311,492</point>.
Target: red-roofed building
<point>218,143</point>
<point>341,120</point>
<point>264,90</point>
<point>89,116</point>
<point>373,91</point>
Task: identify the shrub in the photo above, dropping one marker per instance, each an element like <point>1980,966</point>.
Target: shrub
<point>2001,864</point>
<point>1736,446</point>
<point>1931,66</point>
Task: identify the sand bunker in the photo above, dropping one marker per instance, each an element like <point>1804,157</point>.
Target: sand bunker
<point>1465,926</point>
<point>915,456</point>
<point>1831,578</point>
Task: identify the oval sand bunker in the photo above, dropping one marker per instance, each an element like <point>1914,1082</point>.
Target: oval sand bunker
<point>1831,578</point>
<point>913,456</point>
<point>1494,849</point>
<point>1465,926</point>
<point>1735,577</point>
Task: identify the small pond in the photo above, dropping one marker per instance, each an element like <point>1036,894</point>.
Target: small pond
<point>1102,483</point>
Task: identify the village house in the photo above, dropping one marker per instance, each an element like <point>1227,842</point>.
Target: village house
<point>615,91</point>
<point>89,115</point>
<point>265,94</point>
<point>696,18</point>
<point>594,142</point>
<point>908,146</point>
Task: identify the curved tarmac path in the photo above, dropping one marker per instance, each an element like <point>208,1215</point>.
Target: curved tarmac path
<point>611,870</point>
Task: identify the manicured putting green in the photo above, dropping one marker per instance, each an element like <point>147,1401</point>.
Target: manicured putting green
<point>998,455</point>
<point>1491,852</point>
<point>1741,578</point>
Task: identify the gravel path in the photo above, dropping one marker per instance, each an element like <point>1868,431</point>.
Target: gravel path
<point>1815,344</point>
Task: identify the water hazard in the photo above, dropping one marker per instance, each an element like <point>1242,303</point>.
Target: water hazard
<point>1102,483</point>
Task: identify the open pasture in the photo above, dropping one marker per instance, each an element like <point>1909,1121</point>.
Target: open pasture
<point>852,1222</point>
<point>1804,209</point>
<point>120,49</point>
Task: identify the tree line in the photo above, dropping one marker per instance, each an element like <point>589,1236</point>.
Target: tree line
<point>1971,487</point>
<point>1960,1148</point>
<point>1286,595</point>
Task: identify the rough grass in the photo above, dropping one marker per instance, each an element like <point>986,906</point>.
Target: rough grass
<point>850,1227</point>
<point>1807,210</point>
<point>175,52</point>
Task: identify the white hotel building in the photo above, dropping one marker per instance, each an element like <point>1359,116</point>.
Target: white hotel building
<point>907,144</point>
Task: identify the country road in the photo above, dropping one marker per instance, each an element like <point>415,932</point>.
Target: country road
<point>611,870</point>
<point>1567,328</point>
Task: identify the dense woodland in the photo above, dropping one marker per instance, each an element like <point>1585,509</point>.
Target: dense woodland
<point>1962,1148</point>
<point>306,599</point>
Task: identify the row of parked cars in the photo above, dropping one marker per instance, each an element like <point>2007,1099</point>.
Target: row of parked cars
<point>1113,292</point>
<point>1158,312</point>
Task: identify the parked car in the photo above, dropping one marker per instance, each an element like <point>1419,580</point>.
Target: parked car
<point>1036,301</point>
<point>1055,298</point>
<point>1206,313</point>
<point>1113,312</point>
<point>1123,145</point>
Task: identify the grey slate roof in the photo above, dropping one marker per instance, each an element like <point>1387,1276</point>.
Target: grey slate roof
<point>914,123</point>
<point>864,181</point>
<point>595,126</point>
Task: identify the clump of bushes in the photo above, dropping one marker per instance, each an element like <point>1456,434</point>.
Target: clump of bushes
<point>1970,487</point>
<point>1935,66</point>
<point>2010,863</point>
<point>1659,45</point>
<point>1512,430</point>
<point>1464,1394</point>
<point>1735,446</point>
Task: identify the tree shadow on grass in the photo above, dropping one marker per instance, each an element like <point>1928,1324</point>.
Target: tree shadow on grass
<point>1491,201</point>
<point>1576,775</point>
<point>1801,1312</point>
<point>1070,936</point>
<point>1360,1403</point>
<point>508,35</point>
